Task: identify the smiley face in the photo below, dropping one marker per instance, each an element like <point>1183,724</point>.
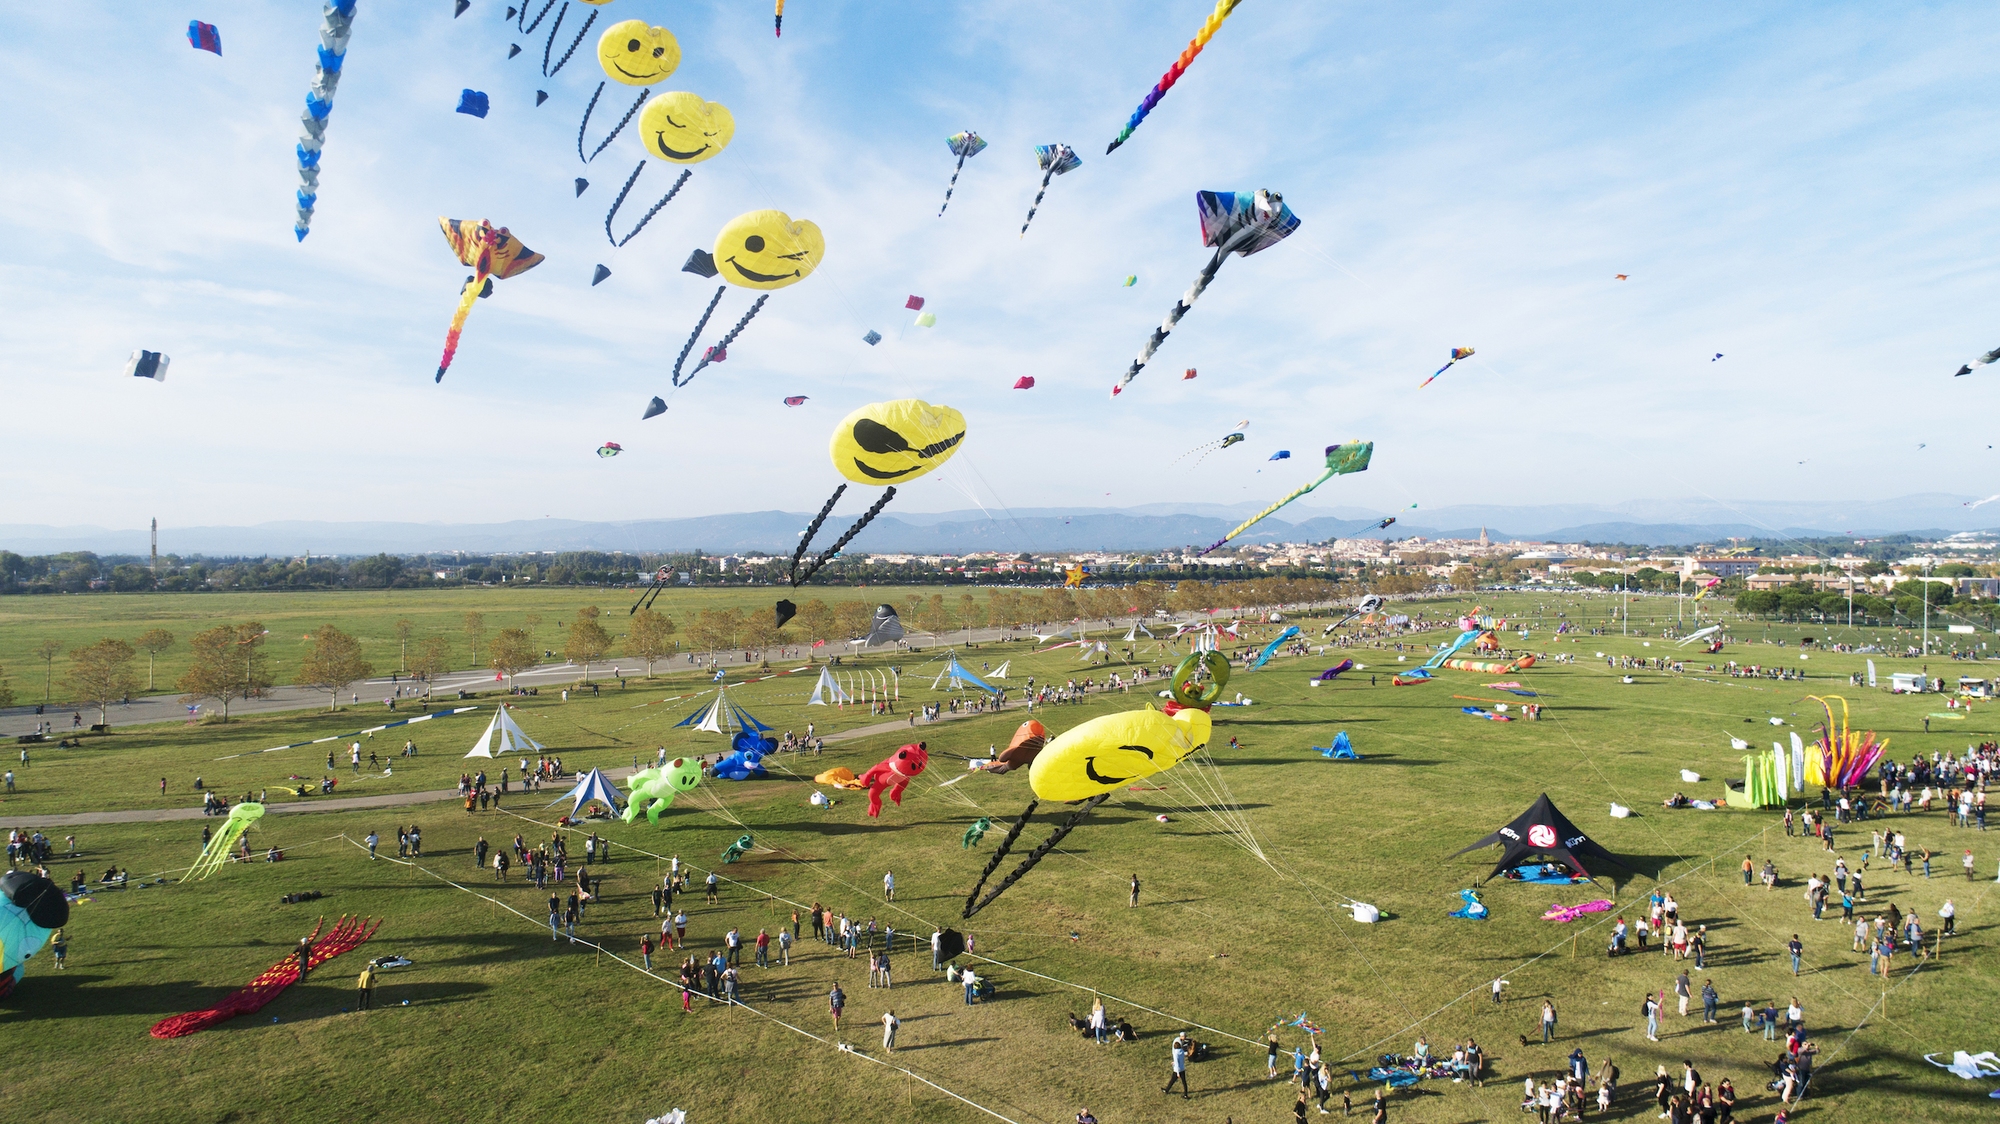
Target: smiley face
<point>681,128</point>
<point>767,250</point>
<point>1117,749</point>
<point>638,55</point>
<point>891,442</point>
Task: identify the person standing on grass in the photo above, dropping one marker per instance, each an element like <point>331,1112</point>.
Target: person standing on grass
<point>889,886</point>
<point>1709,998</point>
<point>1548,1020</point>
<point>764,948</point>
<point>1651,1010</point>
<point>687,985</point>
<point>555,918</point>
<point>1683,989</point>
<point>971,983</point>
<point>889,1025</point>
<point>646,950</point>
<point>1270,1052</point>
<point>1180,1059</point>
<point>1135,892</point>
<point>59,945</point>
<point>937,949</point>
<point>733,940</point>
<point>681,928</point>
<point>785,948</point>
<point>1797,950</point>
<point>836,1000</point>
<point>365,984</point>
<point>1748,866</point>
<point>1967,862</point>
<point>304,953</point>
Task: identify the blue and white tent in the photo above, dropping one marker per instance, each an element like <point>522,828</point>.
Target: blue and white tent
<point>961,676</point>
<point>592,786</point>
<point>721,717</point>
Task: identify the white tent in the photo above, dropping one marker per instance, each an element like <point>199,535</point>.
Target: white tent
<point>1001,671</point>
<point>513,739</point>
<point>1138,628</point>
<point>828,689</point>
<point>593,785</point>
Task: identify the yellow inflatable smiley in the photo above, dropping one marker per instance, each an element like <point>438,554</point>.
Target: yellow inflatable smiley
<point>638,55</point>
<point>1105,753</point>
<point>767,250</point>
<point>680,127</point>
<point>891,442</point>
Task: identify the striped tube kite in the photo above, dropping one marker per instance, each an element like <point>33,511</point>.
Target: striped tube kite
<point>1457,353</point>
<point>1055,160</point>
<point>491,252</point>
<point>1841,757</point>
<point>1340,460</point>
<point>217,851</point>
<point>962,145</point>
<point>347,935</point>
<point>336,22</point>
<point>1208,29</point>
<point>1238,222</point>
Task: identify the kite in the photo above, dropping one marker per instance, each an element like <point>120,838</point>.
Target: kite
<point>1054,160</point>
<point>872,338</point>
<point>654,408</point>
<point>204,37</point>
<point>914,303</point>
<point>34,908</point>
<point>336,24</point>
<point>460,7</point>
<point>1208,29</point>
<point>887,627</point>
<point>1472,910</point>
<point>1966,369</point>
<point>763,250</point>
<point>892,775</point>
<point>1090,762</point>
<point>610,449</point>
<point>631,54</point>
<point>1234,437</point>
<point>881,443</point>
<point>1970,503</point>
<point>778,29</point>
<point>148,365</point>
<point>925,319</point>
<point>976,832</point>
<point>1457,353</point>
<point>1334,672</point>
<point>348,934</point>
<point>217,851</point>
<point>840,776</point>
<point>1271,649</point>
<point>1188,375</point>
<point>1238,222</point>
<point>1340,460</point>
<point>1131,279</point>
<point>1840,759</point>
<point>651,791</point>
<point>473,103</point>
<point>739,848</point>
<point>1280,455</point>
<point>1027,742</point>
<point>1384,524</point>
<point>796,400</point>
<point>1025,382</point>
<point>1718,355</point>
<point>962,145</point>
<point>549,46</point>
<point>1618,277</point>
<point>491,252</point>
<point>679,128</point>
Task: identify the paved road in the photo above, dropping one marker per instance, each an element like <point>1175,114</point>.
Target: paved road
<point>385,800</point>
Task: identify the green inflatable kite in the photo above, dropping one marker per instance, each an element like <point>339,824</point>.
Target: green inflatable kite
<point>217,851</point>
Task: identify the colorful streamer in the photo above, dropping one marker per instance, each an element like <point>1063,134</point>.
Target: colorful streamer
<point>1208,29</point>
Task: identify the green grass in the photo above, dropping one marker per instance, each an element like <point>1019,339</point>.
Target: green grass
<point>503,1024</point>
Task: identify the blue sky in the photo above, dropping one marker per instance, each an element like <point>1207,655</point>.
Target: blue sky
<point>1807,191</point>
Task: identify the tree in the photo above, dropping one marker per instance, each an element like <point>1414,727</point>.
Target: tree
<point>650,637</point>
<point>226,660</point>
<point>433,657</point>
<point>971,614</point>
<point>512,652</point>
<point>403,630</point>
<point>815,620</point>
<point>757,631</point>
<point>6,691</point>
<point>332,661</point>
<point>714,629</point>
<point>851,619</point>
<point>1004,607</point>
<point>586,639</point>
<point>475,628</point>
<point>101,673</point>
<point>153,642</point>
<point>1055,605</point>
<point>46,651</point>
<point>1464,578</point>
<point>534,622</point>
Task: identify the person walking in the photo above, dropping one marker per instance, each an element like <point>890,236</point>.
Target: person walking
<point>1135,892</point>
<point>937,950</point>
<point>365,985</point>
<point>1179,1070</point>
<point>1548,1021</point>
<point>784,948</point>
<point>1709,999</point>
<point>372,840</point>
<point>889,886</point>
<point>836,1000</point>
<point>1797,950</point>
<point>1967,862</point>
<point>555,918</point>
<point>1682,991</point>
<point>889,1025</point>
<point>304,953</point>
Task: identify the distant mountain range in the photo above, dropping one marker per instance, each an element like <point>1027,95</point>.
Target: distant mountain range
<point>1040,530</point>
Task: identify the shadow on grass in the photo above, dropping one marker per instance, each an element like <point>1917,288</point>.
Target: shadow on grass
<point>953,1042</point>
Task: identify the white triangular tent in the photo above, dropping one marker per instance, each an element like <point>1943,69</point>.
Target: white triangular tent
<point>593,785</point>
<point>1001,671</point>
<point>828,689</point>
<point>1138,628</point>
<point>513,739</point>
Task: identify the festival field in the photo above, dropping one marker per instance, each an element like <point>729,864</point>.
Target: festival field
<point>1242,919</point>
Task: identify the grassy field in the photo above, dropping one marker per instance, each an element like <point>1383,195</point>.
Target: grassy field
<point>502,1023</point>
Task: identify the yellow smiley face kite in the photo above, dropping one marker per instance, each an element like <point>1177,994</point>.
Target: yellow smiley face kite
<point>767,250</point>
<point>638,55</point>
<point>681,128</point>
<point>892,442</point>
<point>1106,753</point>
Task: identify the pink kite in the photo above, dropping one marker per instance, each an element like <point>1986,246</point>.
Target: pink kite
<point>1568,913</point>
<point>1025,382</point>
<point>915,303</point>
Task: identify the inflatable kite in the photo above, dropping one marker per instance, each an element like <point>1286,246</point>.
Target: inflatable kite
<point>1025,382</point>
<point>975,833</point>
<point>1340,460</point>
<point>1271,649</point>
<point>739,848</point>
<point>840,776</point>
<point>886,628</point>
<point>892,775</point>
<point>348,934</point>
<point>1234,437</point>
<point>492,253</point>
<point>610,449</point>
<point>217,851</point>
<point>746,762</point>
<point>33,909</point>
<point>473,103</point>
<point>1280,455</point>
<point>1457,353</point>
<point>1341,750</point>
<point>881,443</point>
<point>764,250</point>
<point>1055,160</point>
<point>1238,222</point>
<point>962,145</point>
<point>1208,29</point>
<point>652,791</point>
<point>679,128</point>
<point>204,37</point>
<point>1334,672</point>
<point>1027,742</point>
<point>336,24</point>
<point>796,400</point>
<point>1568,913</point>
<point>1090,762</point>
<point>548,47</point>
<point>1982,361</point>
<point>148,365</point>
<point>1841,758</point>
<point>1472,910</point>
<point>778,28</point>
